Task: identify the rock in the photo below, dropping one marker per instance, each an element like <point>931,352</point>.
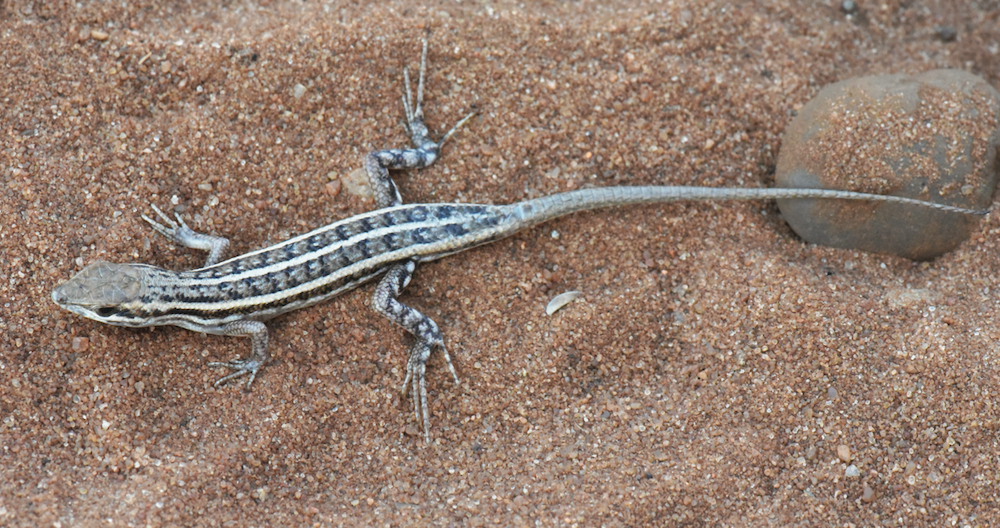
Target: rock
<point>867,494</point>
<point>945,33</point>
<point>932,137</point>
<point>844,453</point>
<point>907,297</point>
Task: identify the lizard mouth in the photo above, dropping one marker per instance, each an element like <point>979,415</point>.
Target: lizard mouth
<point>78,310</point>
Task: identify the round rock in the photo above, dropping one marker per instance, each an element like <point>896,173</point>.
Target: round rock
<point>931,137</point>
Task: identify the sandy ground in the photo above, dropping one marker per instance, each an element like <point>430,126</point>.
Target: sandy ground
<point>717,370</point>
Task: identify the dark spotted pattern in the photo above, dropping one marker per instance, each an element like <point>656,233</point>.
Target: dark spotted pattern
<point>359,240</point>
<point>274,307</point>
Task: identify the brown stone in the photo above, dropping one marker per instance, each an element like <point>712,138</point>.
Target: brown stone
<point>931,137</point>
<point>844,453</point>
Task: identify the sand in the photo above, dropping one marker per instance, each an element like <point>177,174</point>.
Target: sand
<point>716,371</point>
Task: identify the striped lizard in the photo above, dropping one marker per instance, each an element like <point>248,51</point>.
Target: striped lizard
<point>234,297</point>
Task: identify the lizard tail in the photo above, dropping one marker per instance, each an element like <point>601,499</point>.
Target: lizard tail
<point>538,210</point>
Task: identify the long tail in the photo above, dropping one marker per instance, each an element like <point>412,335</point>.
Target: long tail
<point>538,210</point>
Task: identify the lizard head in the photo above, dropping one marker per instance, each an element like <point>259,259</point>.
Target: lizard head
<point>104,292</point>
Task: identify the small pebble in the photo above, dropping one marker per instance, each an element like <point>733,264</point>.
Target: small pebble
<point>298,91</point>
<point>831,393</point>
<point>868,494</point>
<point>333,188</point>
<point>80,344</point>
<point>852,471</point>
<point>844,452</point>
<point>561,300</point>
<point>97,34</point>
<point>849,7</point>
<point>356,183</point>
<point>945,33</point>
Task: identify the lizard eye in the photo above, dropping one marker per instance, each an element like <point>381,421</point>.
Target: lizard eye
<point>106,311</point>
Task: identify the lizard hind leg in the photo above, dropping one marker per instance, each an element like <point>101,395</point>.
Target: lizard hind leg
<point>424,152</point>
<point>414,109</point>
<point>423,329</point>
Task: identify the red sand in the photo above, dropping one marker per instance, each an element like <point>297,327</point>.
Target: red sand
<point>709,374</point>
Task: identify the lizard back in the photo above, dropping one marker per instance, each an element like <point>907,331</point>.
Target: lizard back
<point>310,268</point>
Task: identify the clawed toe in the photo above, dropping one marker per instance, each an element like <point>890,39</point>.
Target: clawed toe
<point>240,368</point>
<point>175,230</point>
<point>178,232</point>
<point>415,383</point>
<point>416,377</point>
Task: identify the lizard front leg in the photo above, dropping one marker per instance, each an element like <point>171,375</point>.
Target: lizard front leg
<point>259,355</point>
<point>179,233</point>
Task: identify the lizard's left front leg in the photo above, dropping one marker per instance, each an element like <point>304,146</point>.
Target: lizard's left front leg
<point>424,330</point>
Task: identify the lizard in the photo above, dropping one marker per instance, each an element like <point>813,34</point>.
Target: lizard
<point>236,296</point>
